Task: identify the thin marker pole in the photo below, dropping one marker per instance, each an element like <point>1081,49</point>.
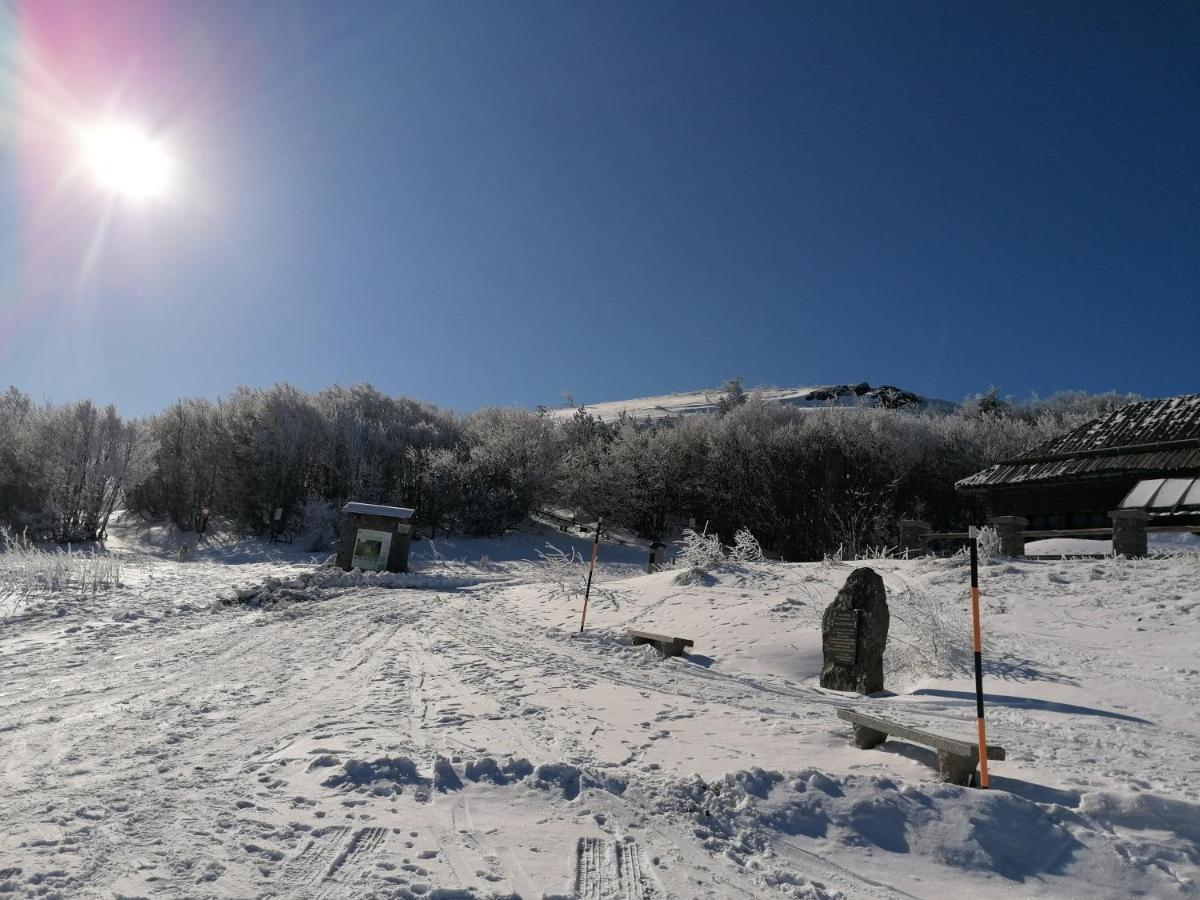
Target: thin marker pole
<point>588,590</point>
<point>983,760</point>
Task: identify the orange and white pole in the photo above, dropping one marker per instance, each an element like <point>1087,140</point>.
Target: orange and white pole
<point>982,727</point>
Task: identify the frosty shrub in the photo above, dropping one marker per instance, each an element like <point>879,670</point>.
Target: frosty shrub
<point>432,554</point>
<point>834,557</point>
<point>27,571</point>
<point>745,548</point>
<point>988,542</point>
<point>565,576</point>
<point>877,553</point>
<point>928,635</point>
<point>700,550</point>
<point>562,572</point>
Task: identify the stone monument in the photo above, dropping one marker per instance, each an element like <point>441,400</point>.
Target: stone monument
<point>854,633</point>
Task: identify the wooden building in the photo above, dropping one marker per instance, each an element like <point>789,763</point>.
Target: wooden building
<point>375,537</point>
<point>1142,456</point>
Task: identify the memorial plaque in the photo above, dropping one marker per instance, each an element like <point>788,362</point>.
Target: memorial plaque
<point>843,636</point>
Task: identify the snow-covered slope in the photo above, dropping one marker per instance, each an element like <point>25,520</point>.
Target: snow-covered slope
<point>812,396</point>
<point>452,734</point>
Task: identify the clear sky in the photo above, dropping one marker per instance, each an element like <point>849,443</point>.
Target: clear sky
<point>492,202</point>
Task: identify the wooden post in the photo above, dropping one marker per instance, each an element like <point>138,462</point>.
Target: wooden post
<point>978,647</point>
<point>588,590</point>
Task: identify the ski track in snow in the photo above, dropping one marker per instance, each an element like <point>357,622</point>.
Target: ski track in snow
<point>374,742</point>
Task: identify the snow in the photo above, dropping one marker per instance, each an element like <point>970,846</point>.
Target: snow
<point>706,401</point>
<point>450,733</point>
<point>1161,542</point>
<point>1142,493</point>
<point>685,403</point>
<point>1067,547</point>
<point>375,509</point>
<point>1171,493</point>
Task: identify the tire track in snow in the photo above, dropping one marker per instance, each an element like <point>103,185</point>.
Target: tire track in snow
<point>312,863</point>
<point>356,852</point>
<point>612,870</point>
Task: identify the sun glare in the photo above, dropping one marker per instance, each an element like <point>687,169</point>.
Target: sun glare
<point>127,161</point>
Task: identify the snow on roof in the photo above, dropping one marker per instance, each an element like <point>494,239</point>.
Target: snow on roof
<point>1164,495</point>
<point>1152,436</point>
<point>374,509</point>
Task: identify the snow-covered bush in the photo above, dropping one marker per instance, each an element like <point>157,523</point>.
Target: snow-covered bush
<point>563,573</point>
<point>28,571</point>
<point>877,553</point>
<point>700,550</point>
<point>988,543</point>
<point>745,548</point>
<point>566,575</point>
<point>929,635</point>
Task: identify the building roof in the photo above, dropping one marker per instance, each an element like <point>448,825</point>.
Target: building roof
<point>1154,436</point>
<point>374,509</point>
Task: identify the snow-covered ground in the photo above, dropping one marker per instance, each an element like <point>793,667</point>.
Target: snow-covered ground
<point>689,403</point>
<point>1157,543</point>
<point>451,734</point>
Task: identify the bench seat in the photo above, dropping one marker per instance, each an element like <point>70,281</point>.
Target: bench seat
<point>664,644</point>
<point>957,758</point>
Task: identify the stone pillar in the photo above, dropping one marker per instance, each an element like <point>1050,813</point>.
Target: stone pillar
<point>914,537</point>
<point>1011,530</point>
<point>854,632</point>
<point>656,553</point>
<point>1129,532</point>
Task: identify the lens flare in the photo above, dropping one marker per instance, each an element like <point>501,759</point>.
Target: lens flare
<point>127,161</point>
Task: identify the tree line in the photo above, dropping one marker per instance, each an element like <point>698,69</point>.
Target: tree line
<point>804,481</point>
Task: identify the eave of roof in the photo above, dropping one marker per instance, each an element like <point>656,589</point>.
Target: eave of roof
<point>375,509</point>
<point>1140,464</point>
<point>1143,439</point>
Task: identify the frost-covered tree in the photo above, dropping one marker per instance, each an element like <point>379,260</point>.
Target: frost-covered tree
<point>505,467</point>
<point>64,468</point>
<point>803,481</point>
<point>190,458</point>
<point>733,395</point>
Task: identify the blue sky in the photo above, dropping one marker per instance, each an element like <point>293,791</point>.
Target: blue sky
<point>489,203</point>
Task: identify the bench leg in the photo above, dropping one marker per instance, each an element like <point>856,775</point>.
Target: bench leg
<point>956,769</point>
<point>865,738</point>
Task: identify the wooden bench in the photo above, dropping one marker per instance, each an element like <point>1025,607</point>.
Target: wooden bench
<point>664,644</point>
<point>957,759</point>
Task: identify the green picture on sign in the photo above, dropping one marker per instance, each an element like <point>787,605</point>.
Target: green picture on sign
<point>371,549</point>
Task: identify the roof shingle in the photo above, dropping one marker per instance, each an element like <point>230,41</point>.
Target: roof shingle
<point>1151,436</point>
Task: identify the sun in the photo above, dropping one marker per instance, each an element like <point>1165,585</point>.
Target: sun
<point>127,161</point>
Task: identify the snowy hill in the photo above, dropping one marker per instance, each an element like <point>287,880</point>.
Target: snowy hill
<point>705,401</point>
